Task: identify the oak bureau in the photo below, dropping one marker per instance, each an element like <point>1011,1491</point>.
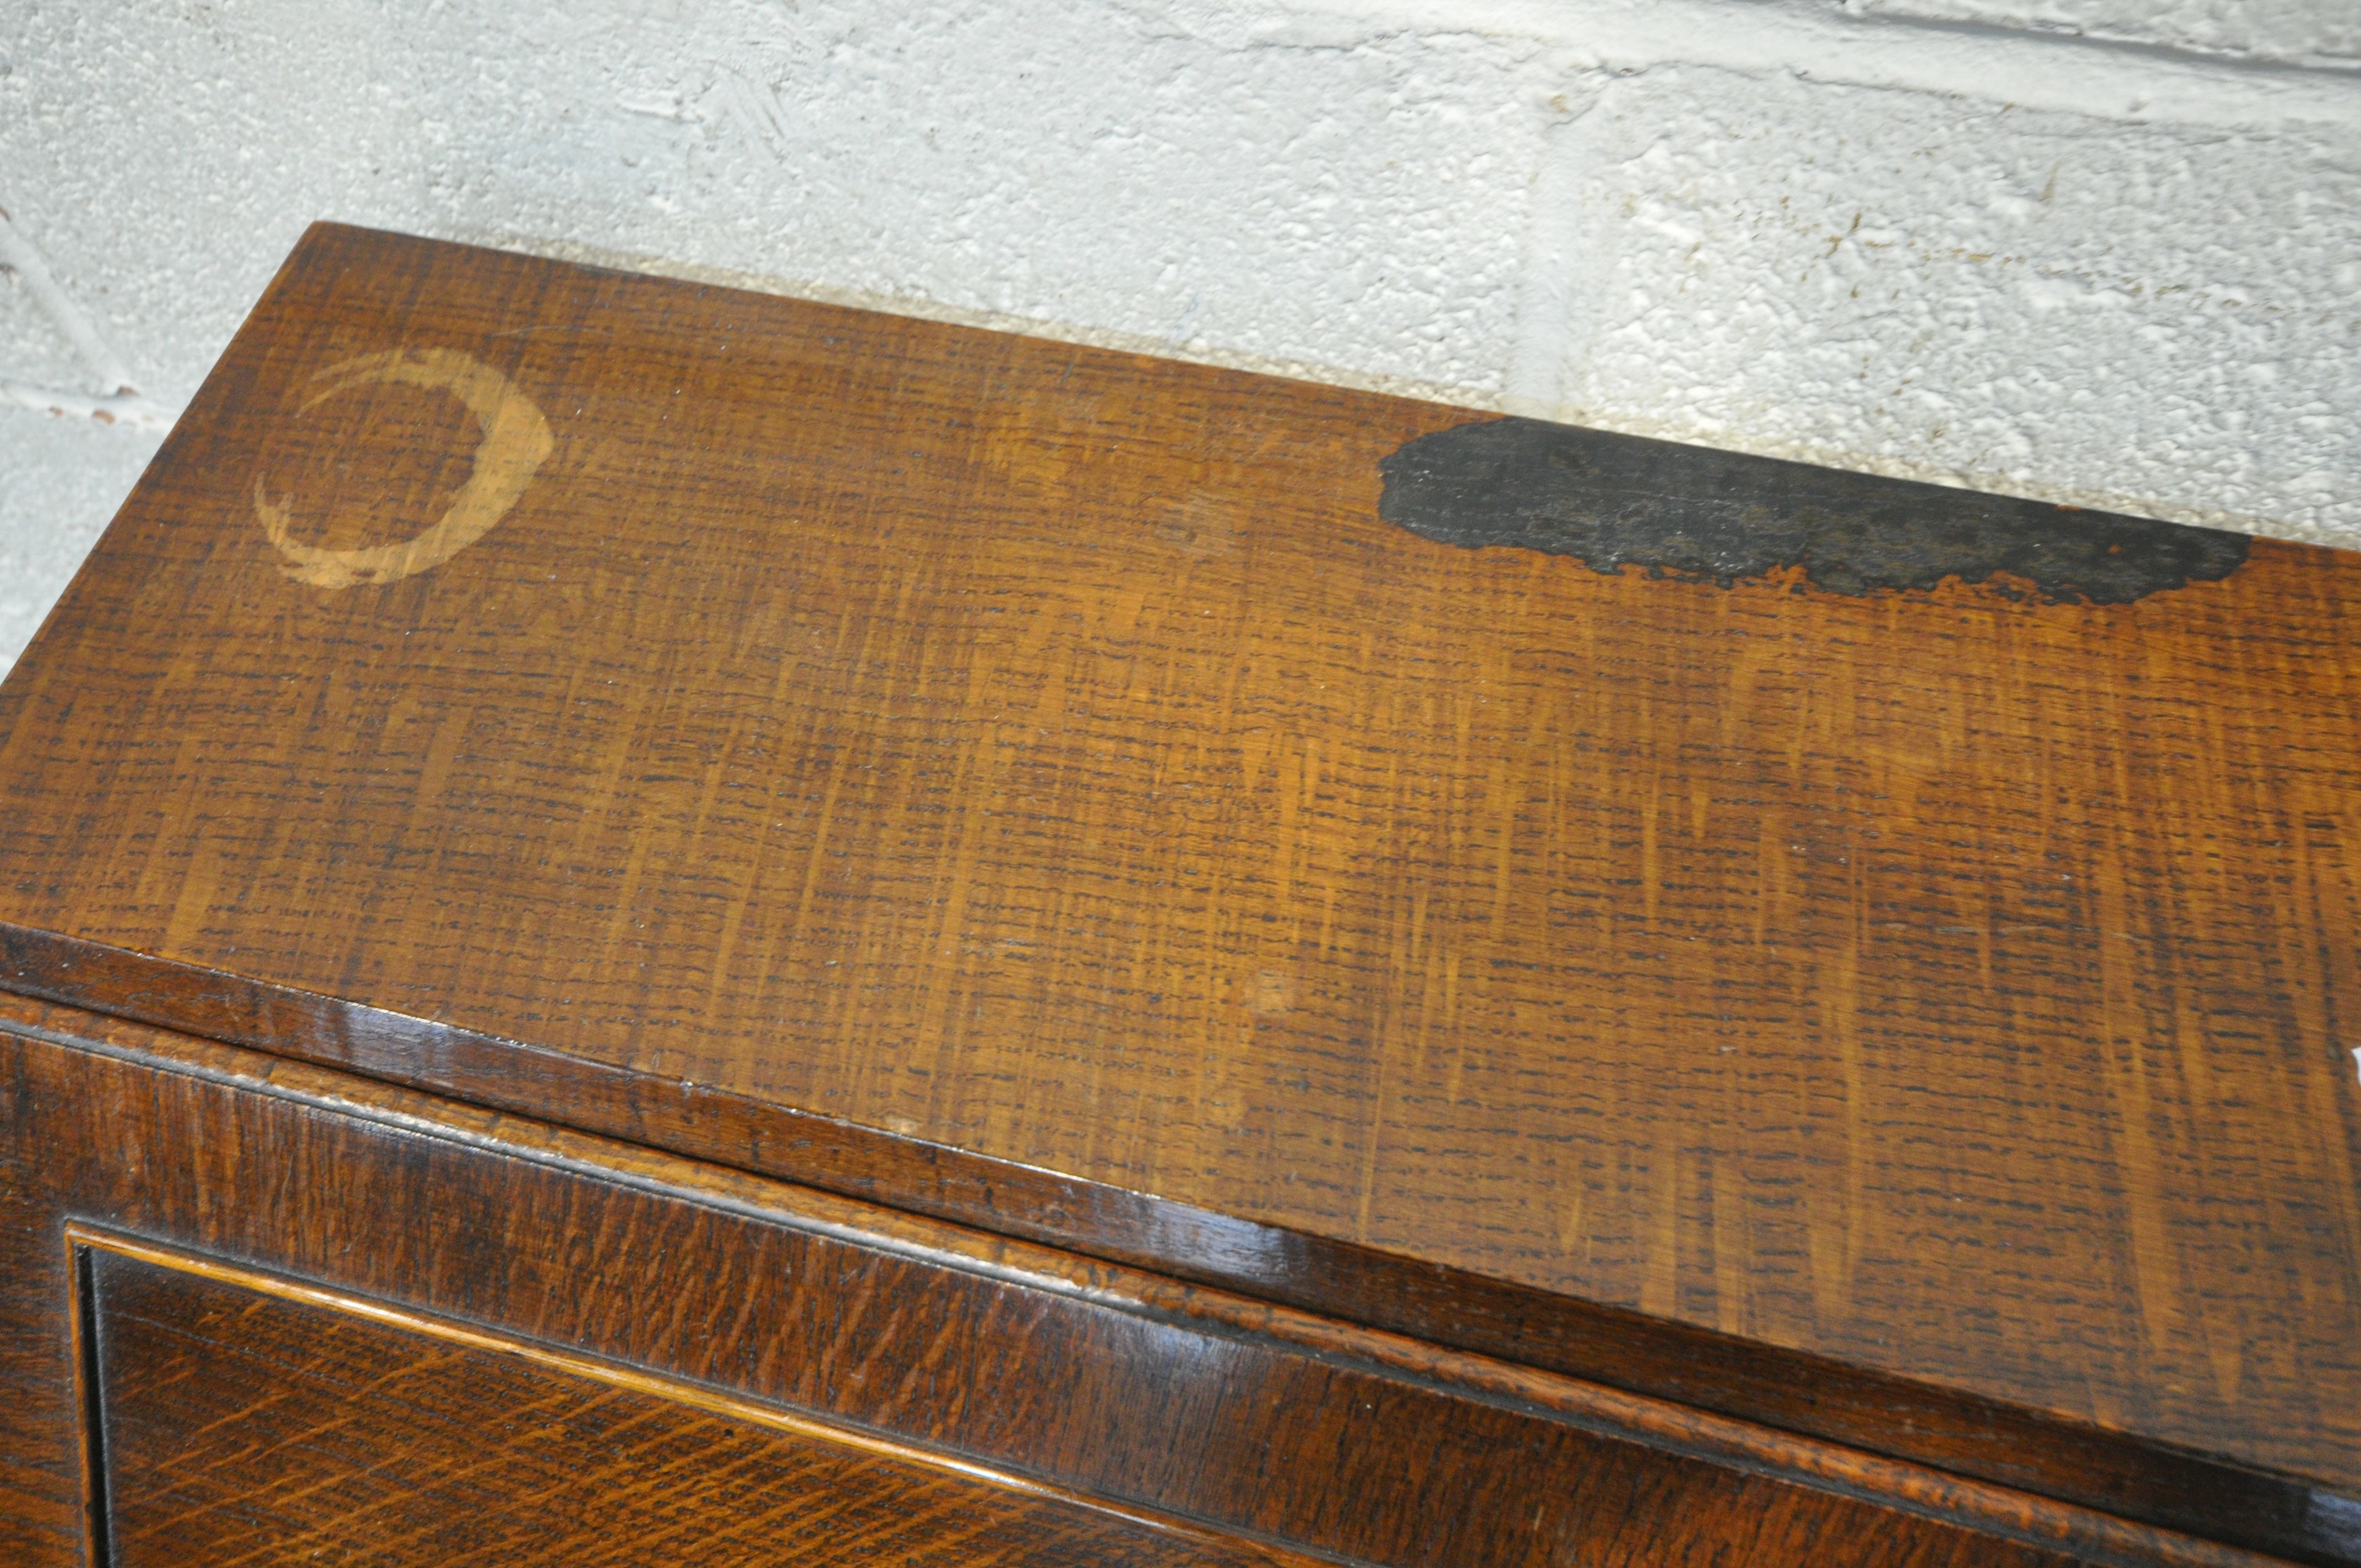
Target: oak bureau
<point>644,923</point>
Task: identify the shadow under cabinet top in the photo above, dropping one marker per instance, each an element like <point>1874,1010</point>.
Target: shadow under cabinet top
<point>1875,958</point>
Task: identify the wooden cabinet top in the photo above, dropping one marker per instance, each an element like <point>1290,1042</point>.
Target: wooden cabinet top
<point>1855,940</point>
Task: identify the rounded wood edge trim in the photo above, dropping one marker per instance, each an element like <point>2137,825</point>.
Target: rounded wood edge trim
<point>1921,1490</point>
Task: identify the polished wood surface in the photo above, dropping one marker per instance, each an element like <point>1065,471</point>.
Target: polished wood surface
<point>1692,1371</point>
<point>248,1421</point>
<point>1101,1388</point>
<point>1053,755</point>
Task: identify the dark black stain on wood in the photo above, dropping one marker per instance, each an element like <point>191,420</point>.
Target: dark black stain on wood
<point>1687,511</point>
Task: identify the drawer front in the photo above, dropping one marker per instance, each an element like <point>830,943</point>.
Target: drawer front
<point>242,1419</point>
<point>316,1314</point>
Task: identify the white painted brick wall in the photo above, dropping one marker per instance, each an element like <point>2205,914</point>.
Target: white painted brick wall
<point>2092,250</point>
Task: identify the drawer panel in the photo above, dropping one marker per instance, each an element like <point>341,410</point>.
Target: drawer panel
<point>242,1419</point>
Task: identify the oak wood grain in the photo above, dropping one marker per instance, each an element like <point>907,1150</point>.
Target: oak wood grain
<point>1129,1390</point>
<point>248,1422</point>
<point>1051,754</point>
<point>1688,1372</point>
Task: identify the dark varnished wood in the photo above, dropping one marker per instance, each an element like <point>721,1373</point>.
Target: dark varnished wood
<point>1924,1012</point>
<point>248,1421</point>
<point>1247,1419</point>
<point>1615,1347</point>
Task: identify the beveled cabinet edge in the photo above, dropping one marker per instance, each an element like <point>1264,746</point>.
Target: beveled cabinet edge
<point>1910,1489</point>
<point>82,1238</point>
<point>1691,1369</point>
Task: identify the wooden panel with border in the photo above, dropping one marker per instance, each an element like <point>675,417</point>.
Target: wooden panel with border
<point>241,1418</point>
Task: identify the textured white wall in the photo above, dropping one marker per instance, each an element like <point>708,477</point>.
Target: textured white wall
<point>2084,250</point>
<point>2315,32</point>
